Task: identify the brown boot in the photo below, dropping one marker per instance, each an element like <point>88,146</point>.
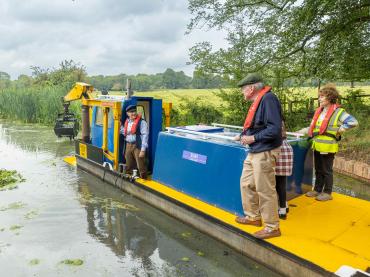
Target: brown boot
<point>244,220</point>
<point>267,233</point>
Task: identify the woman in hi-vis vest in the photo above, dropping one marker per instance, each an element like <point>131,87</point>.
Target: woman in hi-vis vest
<point>330,121</point>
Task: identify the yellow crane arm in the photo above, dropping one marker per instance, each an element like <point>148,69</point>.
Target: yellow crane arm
<point>80,90</point>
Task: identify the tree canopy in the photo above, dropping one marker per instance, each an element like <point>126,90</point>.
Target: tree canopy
<point>328,39</point>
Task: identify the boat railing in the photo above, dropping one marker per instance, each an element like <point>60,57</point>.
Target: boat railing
<point>201,135</point>
<point>293,134</point>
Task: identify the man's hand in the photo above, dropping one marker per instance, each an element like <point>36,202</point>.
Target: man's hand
<point>247,140</point>
<point>142,154</point>
<point>237,138</point>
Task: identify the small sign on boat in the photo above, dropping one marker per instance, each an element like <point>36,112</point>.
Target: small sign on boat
<point>195,157</point>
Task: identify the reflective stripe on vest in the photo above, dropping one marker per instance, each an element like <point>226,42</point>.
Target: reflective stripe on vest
<point>324,143</point>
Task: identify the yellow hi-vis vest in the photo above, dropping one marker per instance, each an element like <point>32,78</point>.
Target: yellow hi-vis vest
<point>327,142</point>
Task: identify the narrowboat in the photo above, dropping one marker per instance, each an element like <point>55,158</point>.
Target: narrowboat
<point>194,177</point>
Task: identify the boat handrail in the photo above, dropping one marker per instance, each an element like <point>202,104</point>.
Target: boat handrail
<point>295,134</point>
<point>227,126</point>
<point>203,135</point>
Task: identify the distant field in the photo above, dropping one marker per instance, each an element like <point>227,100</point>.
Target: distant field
<point>176,96</point>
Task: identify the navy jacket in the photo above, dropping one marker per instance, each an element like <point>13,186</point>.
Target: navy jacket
<point>266,125</point>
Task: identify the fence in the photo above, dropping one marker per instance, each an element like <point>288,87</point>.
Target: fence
<point>310,104</point>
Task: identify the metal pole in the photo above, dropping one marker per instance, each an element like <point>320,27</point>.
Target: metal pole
<point>85,123</point>
<point>227,126</point>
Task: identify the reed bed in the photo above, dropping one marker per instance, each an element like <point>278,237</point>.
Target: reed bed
<point>33,105</point>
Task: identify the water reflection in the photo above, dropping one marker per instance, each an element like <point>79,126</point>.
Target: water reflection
<point>159,244</point>
<point>352,187</point>
<point>34,138</point>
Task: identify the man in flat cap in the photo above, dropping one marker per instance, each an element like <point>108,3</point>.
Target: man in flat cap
<point>136,133</point>
<point>262,132</point>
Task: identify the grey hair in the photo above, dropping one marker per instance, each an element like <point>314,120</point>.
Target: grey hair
<point>258,86</point>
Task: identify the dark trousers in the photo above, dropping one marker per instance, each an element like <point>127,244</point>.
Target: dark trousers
<point>281,190</point>
<point>324,172</point>
<point>133,160</point>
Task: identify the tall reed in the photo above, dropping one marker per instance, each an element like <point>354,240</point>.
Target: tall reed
<point>34,104</point>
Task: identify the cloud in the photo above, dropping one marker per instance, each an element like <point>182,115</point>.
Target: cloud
<point>106,36</point>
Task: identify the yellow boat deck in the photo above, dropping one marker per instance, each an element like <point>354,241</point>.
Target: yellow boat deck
<point>329,234</point>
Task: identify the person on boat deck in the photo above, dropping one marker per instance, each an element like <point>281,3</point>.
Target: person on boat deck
<point>262,132</point>
<point>330,121</point>
<point>284,168</point>
<point>136,133</point>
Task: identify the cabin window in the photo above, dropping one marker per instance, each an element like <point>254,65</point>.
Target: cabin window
<point>141,111</point>
<point>99,117</point>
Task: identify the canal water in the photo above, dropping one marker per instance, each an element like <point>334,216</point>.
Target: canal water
<point>61,215</point>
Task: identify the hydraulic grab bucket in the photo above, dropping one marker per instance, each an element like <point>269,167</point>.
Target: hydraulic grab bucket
<point>66,124</point>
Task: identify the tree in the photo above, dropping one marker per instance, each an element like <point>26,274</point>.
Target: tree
<point>169,77</point>
<point>4,80</point>
<point>304,38</point>
<point>285,40</point>
<point>4,76</point>
<point>67,74</point>
<point>23,81</point>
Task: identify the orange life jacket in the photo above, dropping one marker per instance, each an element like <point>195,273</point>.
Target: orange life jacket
<point>253,108</point>
<point>133,126</point>
<point>324,124</point>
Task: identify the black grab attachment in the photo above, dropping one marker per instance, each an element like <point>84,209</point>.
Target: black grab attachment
<point>66,124</point>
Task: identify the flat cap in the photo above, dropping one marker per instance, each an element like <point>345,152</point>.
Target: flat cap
<point>131,108</point>
<point>250,79</point>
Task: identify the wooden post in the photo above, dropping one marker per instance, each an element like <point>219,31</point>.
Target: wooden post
<point>290,106</point>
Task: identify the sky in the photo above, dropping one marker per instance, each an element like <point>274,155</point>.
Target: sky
<point>108,37</point>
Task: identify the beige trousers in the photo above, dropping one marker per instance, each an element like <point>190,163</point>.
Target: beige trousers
<point>134,161</point>
<point>258,187</point>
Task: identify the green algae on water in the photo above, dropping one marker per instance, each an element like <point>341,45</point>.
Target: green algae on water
<point>9,179</point>
<point>34,262</point>
<point>74,262</point>
<point>15,227</point>
<point>186,235</point>
<point>13,206</point>
<point>31,214</point>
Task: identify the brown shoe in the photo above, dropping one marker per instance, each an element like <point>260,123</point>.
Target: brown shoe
<point>267,233</point>
<point>244,220</point>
